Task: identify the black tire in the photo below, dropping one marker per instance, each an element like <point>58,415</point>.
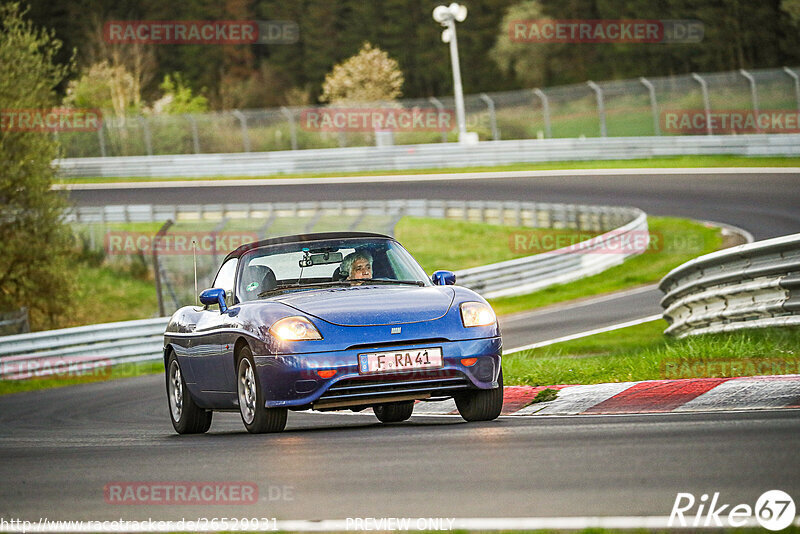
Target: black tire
<point>186,416</point>
<point>257,418</point>
<point>481,404</point>
<point>394,412</point>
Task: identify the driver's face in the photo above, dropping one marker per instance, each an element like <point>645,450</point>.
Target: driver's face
<point>360,270</point>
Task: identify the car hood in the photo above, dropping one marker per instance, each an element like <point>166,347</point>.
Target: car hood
<point>372,305</point>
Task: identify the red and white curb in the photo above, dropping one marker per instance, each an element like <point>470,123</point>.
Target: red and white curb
<point>650,396</point>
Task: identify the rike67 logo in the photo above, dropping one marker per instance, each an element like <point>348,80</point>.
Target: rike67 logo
<point>774,510</point>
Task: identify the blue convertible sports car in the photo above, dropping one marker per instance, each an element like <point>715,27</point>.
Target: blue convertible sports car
<point>327,322</point>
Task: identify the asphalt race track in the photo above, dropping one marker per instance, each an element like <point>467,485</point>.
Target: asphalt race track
<point>766,204</point>
<point>61,447</point>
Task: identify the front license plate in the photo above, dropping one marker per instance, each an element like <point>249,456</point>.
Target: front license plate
<point>383,362</point>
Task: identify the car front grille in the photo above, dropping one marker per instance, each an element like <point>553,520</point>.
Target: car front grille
<point>364,390</point>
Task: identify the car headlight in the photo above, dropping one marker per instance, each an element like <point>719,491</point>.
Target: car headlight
<point>296,328</point>
<point>477,314</point>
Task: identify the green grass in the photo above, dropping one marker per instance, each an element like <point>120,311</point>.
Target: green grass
<point>676,241</point>
<point>661,162</point>
<point>106,295</point>
<point>642,352</point>
<point>453,245</point>
<point>681,240</point>
<point>110,292</point>
<point>98,375</point>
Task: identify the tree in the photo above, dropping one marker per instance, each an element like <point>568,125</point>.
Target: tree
<point>371,75</point>
<point>527,62</point>
<point>35,246</point>
<point>110,88</point>
<point>178,97</point>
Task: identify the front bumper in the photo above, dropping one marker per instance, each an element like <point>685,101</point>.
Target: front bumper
<point>291,381</point>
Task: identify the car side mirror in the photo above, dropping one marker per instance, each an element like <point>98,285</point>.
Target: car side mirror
<point>443,278</point>
<point>214,295</point>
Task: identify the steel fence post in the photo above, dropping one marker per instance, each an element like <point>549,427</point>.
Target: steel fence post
<point>148,140</point>
<point>796,79</point>
<point>195,135</point>
<point>440,107</point>
<point>243,121</point>
<point>753,95</point>
<point>653,103</point>
<point>101,138</point>
<point>156,270</point>
<point>492,118</point>
<point>601,109</point>
<point>545,111</point>
<point>706,101</point>
<point>292,129</point>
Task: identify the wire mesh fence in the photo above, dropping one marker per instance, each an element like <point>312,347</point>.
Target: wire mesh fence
<point>623,108</point>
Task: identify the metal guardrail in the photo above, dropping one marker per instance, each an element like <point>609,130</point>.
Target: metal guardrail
<point>425,156</point>
<point>524,275</point>
<point>750,286</point>
<point>511,277</point>
<point>51,352</point>
<point>44,353</point>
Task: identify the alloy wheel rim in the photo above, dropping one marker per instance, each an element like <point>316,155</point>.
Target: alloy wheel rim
<point>247,391</point>
<point>175,391</point>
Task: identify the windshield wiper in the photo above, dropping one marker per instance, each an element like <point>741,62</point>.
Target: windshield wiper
<point>390,281</point>
<point>347,283</point>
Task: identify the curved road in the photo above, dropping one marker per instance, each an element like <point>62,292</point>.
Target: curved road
<point>59,448</point>
<point>763,202</point>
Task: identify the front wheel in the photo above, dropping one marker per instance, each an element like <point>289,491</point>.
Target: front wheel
<point>257,418</point>
<point>186,416</point>
<point>481,404</point>
<point>394,412</point>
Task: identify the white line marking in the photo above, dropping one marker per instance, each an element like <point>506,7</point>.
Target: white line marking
<point>585,334</point>
<point>359,523</point>
<point>433,177</point>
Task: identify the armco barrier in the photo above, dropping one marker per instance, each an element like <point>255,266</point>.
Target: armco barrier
<point>750,286</point>
<point>55,351</point>
<point>511,277</point>
<point>436,155</point>
<point>134,341</point>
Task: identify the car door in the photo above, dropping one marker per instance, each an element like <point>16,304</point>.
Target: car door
<point>212,348</point>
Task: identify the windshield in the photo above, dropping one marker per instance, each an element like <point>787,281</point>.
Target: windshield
<point>275,269</point>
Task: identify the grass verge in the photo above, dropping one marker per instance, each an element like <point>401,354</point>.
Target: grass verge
<point>109,293</point>
<point>642,352</point>
<point>70,379</point>
<point>662,162</point>
<point>676,241</point>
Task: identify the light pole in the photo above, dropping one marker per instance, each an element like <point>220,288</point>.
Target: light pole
<point>447,16</point>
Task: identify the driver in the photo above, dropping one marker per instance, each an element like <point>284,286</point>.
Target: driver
<point>357,265</point>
